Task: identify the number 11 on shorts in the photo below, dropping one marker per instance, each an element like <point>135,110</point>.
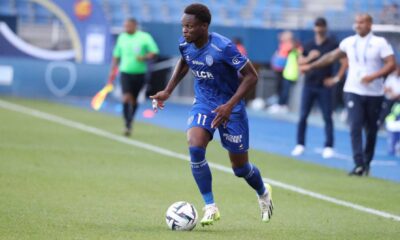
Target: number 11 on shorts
<point>201,119</point>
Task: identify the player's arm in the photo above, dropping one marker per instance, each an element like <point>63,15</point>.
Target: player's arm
<point>180,71</point>
<point>313,54</point>
<point>325,60</point>
<point>114,70</point>
<point>152,49</point>
<point>248,82</point>
<point>147,56</point>
<point>388,67</point>
<point>344,64</point>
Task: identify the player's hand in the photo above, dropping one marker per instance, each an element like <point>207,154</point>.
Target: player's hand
<point>331,81</point>
<point>223,113</point>
<point>314,54</point>
<point>367,79</point>
<point>112,75</point>
<point>159,99</point>
<point>305,68</point>
<point>141,58</point>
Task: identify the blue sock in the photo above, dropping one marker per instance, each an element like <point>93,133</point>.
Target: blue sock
<point>201,173</point>
<point>252,176</point>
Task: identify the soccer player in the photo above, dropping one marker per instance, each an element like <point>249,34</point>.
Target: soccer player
<point>214,61</point>
<point>371,59</point>
<point>131,52</point>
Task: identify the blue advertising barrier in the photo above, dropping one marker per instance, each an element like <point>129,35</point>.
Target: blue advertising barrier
<point>45,79</point>
<point>85,24</point>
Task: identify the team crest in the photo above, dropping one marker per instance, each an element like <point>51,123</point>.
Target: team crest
<point>209,60</point>
<point>235,61</point>
<point>187,58</point>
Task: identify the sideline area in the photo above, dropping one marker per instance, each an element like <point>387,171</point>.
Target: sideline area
<point>272,135</point>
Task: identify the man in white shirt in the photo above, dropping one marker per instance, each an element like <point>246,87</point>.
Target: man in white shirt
<point>392,94</point>
<point>371,58</point>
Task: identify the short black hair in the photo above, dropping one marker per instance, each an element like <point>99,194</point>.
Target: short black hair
<point>200,11</point>
<point>132,20</point>
<point>320,22</point>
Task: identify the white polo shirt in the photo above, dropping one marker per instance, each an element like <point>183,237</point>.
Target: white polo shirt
<point>393,82</point>
<point>365,56</point>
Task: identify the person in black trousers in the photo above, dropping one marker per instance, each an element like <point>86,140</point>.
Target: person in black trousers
<point>371,59</point>
<point>318,87</point>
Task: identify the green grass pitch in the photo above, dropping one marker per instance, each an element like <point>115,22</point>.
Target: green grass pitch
<point>57,182</point>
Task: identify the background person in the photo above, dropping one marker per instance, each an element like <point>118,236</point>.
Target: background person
<point>318,85</point>
<point>132,50</point>
<point>370,58</point>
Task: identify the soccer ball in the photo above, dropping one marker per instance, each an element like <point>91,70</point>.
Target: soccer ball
<point>181,216</point>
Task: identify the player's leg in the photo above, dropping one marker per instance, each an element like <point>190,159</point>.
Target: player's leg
<point>307,101</point>
<point>127,99</point>
<point>251,174</point>
<point>374,107</point>
<point>235,138</point>
<point>356,115</point>
<point>325,104</point>
<point>138,81</point>
<point>198,139</point>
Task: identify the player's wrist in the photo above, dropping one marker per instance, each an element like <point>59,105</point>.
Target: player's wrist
<point>336,79</point>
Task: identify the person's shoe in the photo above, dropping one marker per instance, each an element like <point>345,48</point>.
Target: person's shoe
<point>328,152</point>
<point>274,109</point>
<point>266,205</point>
<point>366,171</point>
<point>211,215</point>
<point>357,171</point>
<point>283,109</point>
<point>298,150</point>
<point>127,132</point>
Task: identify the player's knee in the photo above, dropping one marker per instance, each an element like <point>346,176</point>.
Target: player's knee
<point>197,154</point>
<point>244,171</point>
<point>197,138</point>
<point>127,98</point>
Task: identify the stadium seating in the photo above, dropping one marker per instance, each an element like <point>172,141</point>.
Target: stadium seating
<point>253,13</point>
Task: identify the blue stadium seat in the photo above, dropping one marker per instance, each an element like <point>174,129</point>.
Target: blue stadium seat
<point>42,15</point>
<point>6,9</point>
<point>294,3</point>
<point>24,12</point>
<point>234,14</point>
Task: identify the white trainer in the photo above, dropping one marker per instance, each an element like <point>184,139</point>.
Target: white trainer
<point>298,150</point>
<point>266,205</point>
<point>211,214</point>
<point>328,152</point>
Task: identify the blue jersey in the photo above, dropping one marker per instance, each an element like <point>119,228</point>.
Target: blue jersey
<point>215,68</point>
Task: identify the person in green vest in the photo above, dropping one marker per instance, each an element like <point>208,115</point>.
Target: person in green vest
<point>393,130</point>
<point>131,52</point>
<point>290,73</point>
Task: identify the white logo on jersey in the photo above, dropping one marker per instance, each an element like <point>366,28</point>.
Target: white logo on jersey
<point>187,58</point>
<point>209,60</point>
<point>215,47</point>
<point>233,138</point>
<point>235,61</point>
<point>203,74</point>
<point>195,62</point>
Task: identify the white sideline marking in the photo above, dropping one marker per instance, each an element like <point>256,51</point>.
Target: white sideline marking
<point>166,152</point>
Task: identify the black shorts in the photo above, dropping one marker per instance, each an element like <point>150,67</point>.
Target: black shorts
<point>132,83</point>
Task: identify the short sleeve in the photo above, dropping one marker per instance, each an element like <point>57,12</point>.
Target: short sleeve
<point>151,45</point>
<point>182,44</point>
<point>117,48</point>
<point>306,50</point>
<point>386,49</point>
<point>233,57</point>
<point>344,45</point>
